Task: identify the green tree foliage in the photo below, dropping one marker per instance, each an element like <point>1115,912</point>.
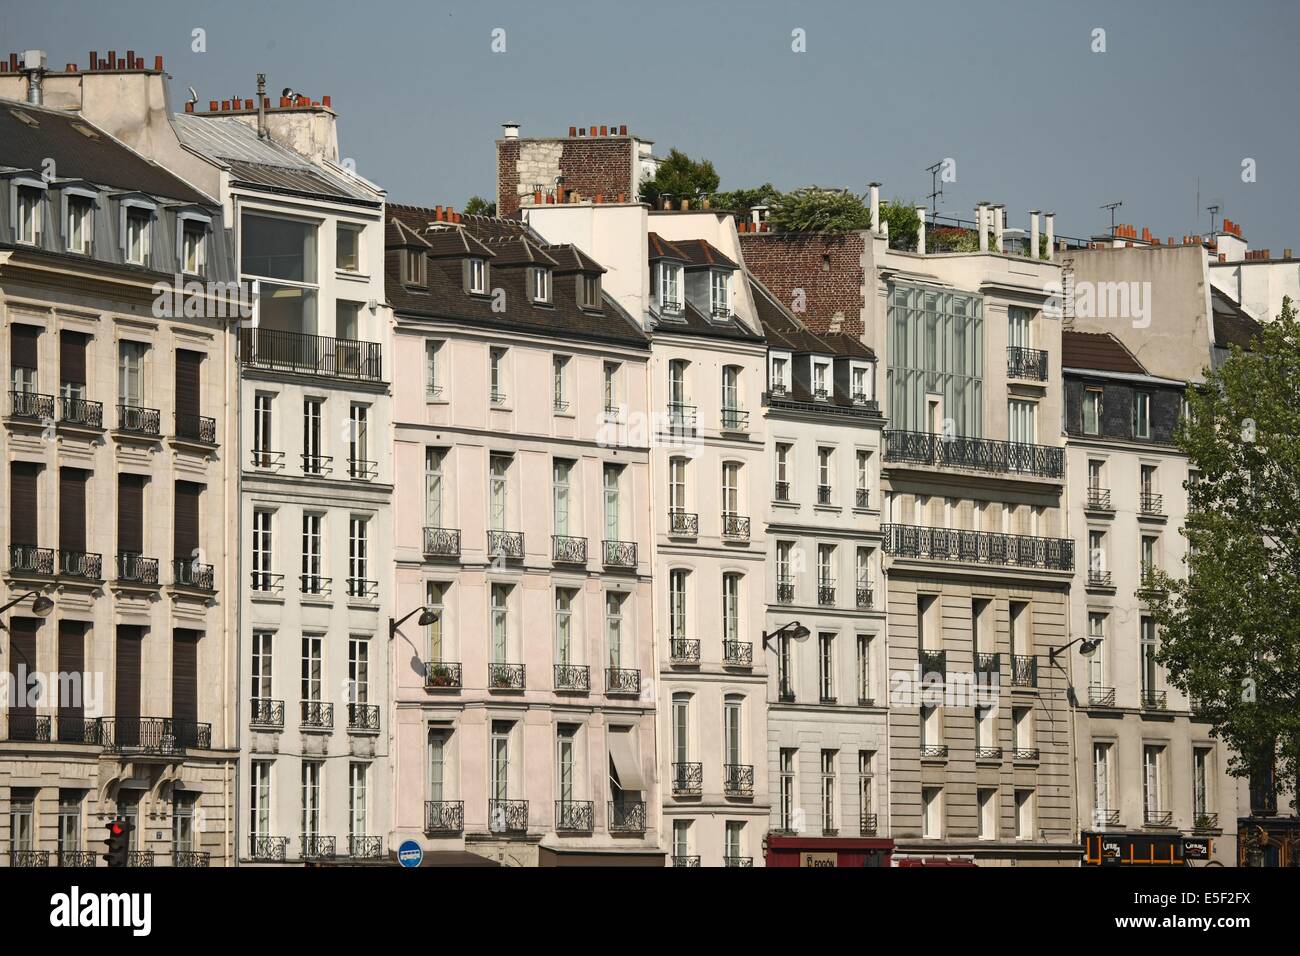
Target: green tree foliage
<point>1231,626</point>
<point>743,200</point>
<point>904,223</point>
<point>478,206</point>
<point>813,209</point>
<point>682,178</point>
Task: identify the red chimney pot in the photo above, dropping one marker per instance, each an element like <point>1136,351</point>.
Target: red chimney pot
<point>189,107</point>
<point>158,63</point>
<point>622,131</point>
<point>325,101</point>
<point>212,106</point>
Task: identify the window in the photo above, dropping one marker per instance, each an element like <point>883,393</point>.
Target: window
<point>433,479</point>
<point>347,247</point>
<point>312,582</point>
<point>1092,411</point>
<point>1201,757</point>
<point>825,472</point>
<point>500,622</point>
<point>498,481</point>
<point>311,802</point>
<point>677,485</point>
<point>262,684</point>
<point>311,673</point>
<point>931,730</point>
<point>559,383</point>
<point>313,461</point>
<point>565,750</point>
<point>826,667</point>
<point>931,813</point>
<point>862,575</point>
<point>413,266</point>
<point>438,747</point>
<point>564,625</point>
<point>866,781</point>
<point>1101,784</point>
<point>862,472</point>
<point>259,802</point>
<point>1153,782</point>
<point>826,569</point>
<point>1022,728</point>
<point>730,491</point>
<point>130,373</point>
<point>30,203</point>
<point>477,276</point>
<point>22,822</point>
<point>1018,327</point>
<point>864,669</point>
<point>561,469</point>
<point>589,288</point>
<point>281,254</point>
<point>860,384</point>
<point>780,374</point>
<point>787,789</point>
<point>81,224</point>
<point>500,770</point>
<point>828,792</point>
<point>986,728</point>
<point>1097,659</point>
<point>730,608</point>
<point>1021,421</point>
<point>988,813</point>
<point>359,463</point>
<point>732,741</point>
<point>783,452</point>
<point>541,285</point>
<point>785,668</point>
<point>821,379</point>
<point>734,841</point>
<point>1141,414</point>
<point>682,740</point>
<point>138,222</point>
<point>936,343</point>
<point>69,822</point>
<point>719,293</point>
<point>681,841</point>
<point>730,389</point>
<point>670,287</point>
<point>359,584</point>
<point>1096,556</point>
<point>435,600</point>
<point>432,376</point>
<point>610,379</point>
<point>677,604</point>
<point>1024,814</point>
<point>1095,466</point>
<point>1149,547</point>
<point>610,480</point>
<point>1148,645</point>
<point>194,246</point>
<point>497,375</point>
<point>262,576</point>
<point>263,456</point>
<point>614,631</point>
<point>358,670</point>
<point>358,779</point>
<point>1147,484</point>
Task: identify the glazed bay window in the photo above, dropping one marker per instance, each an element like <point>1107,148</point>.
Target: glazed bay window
<point>31,203</point>
<point>281,254</point>
<point>347,247</point>
<point>80,224</point>
<point>935,337</point>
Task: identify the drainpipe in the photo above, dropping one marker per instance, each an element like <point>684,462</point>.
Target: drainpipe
<point>34,70</point>
<point>920,230</point>
<point>261,106</point>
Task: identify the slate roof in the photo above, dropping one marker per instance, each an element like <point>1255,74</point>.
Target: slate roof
<point>784,331</point>
<point>1232,325</point>
<point>1099,351</point>
<point>695,253</point>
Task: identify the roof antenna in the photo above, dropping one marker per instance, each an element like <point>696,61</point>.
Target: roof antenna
<point>1112,206</point>
<point>261,106</point>
<point>936,190</point>
<point>1213,210</point>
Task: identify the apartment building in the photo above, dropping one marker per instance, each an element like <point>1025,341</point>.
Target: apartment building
<point>525,689</point>
<point>316,482</point>
<point>1254,279</point>
<point>827,697</point>
<point>119,434</point>
<point>977,556</point>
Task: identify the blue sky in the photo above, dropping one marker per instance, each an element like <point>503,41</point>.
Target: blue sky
<point>1011,90</point>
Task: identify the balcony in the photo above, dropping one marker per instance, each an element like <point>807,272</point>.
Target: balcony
<point>823,494</point>
<point>566,549</point>
<point>1157,818</point>
<point>442,675</point>
<point>31,406</point>
<point>683,651</point>
<point>444,816</point>
<point>683,524</point>
<point>506,676</point>
<point>136,569</point>
<point>81,565</point>
<point>574,816</point>
<point>735,527</point>
<point>975,454</point>
<point>136,420</point>
<point>191,858</point>
<point>317,355</point>
<point>79,413</point>
<point>826,595</point>
<point>743,861</point>
<point>738,779</point>
<point>362,589</point>
<point>1099,696</point>
<point>867,825</point>
<point>77,858</point>
<point>29,559</point>
<point>75,729</point>
<point>506,544</point>
<point>619,554</point>
<point>1150,503</point>
<point>861,497</point>
<point>508,816</point>
<point>442,542</point>
<point>497,397</point>
<point>314,585</point>
<point>784,592</point>
<point>188,573</point>
<point>933,751</point>
<point>317,847</point>
<point>688,779</point>
<point>865,598</point>
<point>735,419</point>
<point>692,860</point>
<point>317,466</point>
<point>264,459</point>
<point>1154,700</point>
<point>1098,578</point>
<point>1098,499</point>
<point>363,469</point>
<point>990,664</point>
<point>1028,364</point>
<point>622,681</point>
<point>28,727</point>
<point>268,849</point>
<point>978,547</point>
<point>627,816</point>
<point>363,717</point>
<point>1203,822</point>
<point>144,858</point>
<point>317,715</point>
<point>933,662</point>
<point>1024,670</point>
<point>781,491</point>
<point>681,419</point>
<point>574,678</point>
<point>366,847</point>
<point>738,653</point>
<point>196,428</point>
<point>267,713</point>
<point>988,753</point>
<point>162,736</point>
<point>1105,817</point>
<point>1025,754</point>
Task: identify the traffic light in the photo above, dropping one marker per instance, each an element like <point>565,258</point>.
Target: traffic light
<point>119,842</point>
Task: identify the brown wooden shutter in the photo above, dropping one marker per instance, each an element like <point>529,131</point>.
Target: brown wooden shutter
<point>23,346</point>
<point>130,514</point>
<point>187,392</point>
<point>127,696</point>
<point>185,538</point>
<point>72,660</point>
<point>72,509</point>
<point>185,675</point>
<point>72,358</point>
<point>22,664</point>
<point>24,518</point>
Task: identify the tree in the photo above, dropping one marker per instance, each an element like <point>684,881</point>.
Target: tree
<point>680,177</point>
<point>1231,627</point>
<point>904,223</point>
<point>814,209</point>
<point>743,200</point>
<point>478,206</point>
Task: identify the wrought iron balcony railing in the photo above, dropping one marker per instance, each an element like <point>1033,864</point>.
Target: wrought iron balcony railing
<point>738,779</point>
<point>31,406</point>
<point>196,428</point>
<point>364,717</point>
<point>29,858</point>
<point>164,736</point>
<point>1151,503</point>
<point>785,592</point>
<point>986,663</point>
<point>826,595</point>
<point>444,675</point>
<point>366,847</point>
<point>575,678</point>
<point>1205,821</point>
<point>28,727</point>
<point>317,847</point>
<point>1099,696</point>
<point>506,676</point>
<point>363,469</point>
<point>1157,818</point>
<point>81,565</point>
<point>267,713</point>
<point>688,779</point>
<point>976,454</point>
<point>317,465</point>
<point>620,554</point>
<point>781,491</point>
<point>988,753</point>
<point>188,573</point>
<point>1098,578</point>
<point>496,396</point>
<point>735,527</point>
<point>867,824</point>
<point>81,413</point>
<point>1026,363</point>
<point>317,715</point>
<point>865,597</point>
<point>29,559</point>
<point>363,589</point>
<point>508,816</point>
<point>575,816</point>
<point>932,662</point>
<point>823,494</point>
<point>137,420</point>
<point>75,729</point>
<point>683,524</point>
<point>622,680</point>
<point>735,419</point>
<point>686,860</point>
<point>1024,670</point>
<point>683,651</point>
<point>135,568</point>
<point>506,544</point>
<point>742,861</point>
<point>264,459</point>
<point>785,689</point>
<point>627,816</point>
<point>444,816</point>
<point>979,547</point>
<point>861,497</point>
<point>566,549</point>
<point>933,751</point>
<point>1105,817</point>
<point>1098,499</point>
<point>77,858</point>
<point>681,418</point>
<point>315,585</point>
<point>442,542</point>
<point>1155,700</point>
<point>738,653</point>
<point>191,858</point>
<point>560,405</point>
<point>270,849</point>
<point>1025,753</point>
<point>318,355</point>
<point>144,858</point>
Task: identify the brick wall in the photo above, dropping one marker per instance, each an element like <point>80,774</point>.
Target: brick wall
<point>508,178</point>
<point>827,268</point>
<point>589,166</point>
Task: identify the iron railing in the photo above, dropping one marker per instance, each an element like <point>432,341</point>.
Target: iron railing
<point>981,547</point>
<point>268,848</point>
<point>620,554</point>
<point>688,779</point>
<point>573,677</point>
<point>77,858</point>
<point>1098,578</point>
<point>29,559</point>
<point>264,459</point>
<point>506,676</point>
<point>442,542</point>
<point>1099,499</point>
<point>988,753</point>
<point>164,736</point>
<point>977,454</point>
<point>687,860</point>
<point>81,564</point>
<point>627,816</point>
<point>1099,696</point>
<point>738,779</point>
<point>743,861</point>
<point>29,858</point>
<point>735,419</point>
<point>31,406</point>
<point>683,651</point>
<point>317,715</point>
<point>303,354</point>
<point>823,494</point>
<point>80,412</point>
<point>861,497</point>
<point>1151,503</point>
<point>196,428</point>
<point>865,597</point>
<point>191,858</point>
<point>508,816</point>
<point>189,573</point>
<point>366,847</point>
<point>986,663</point>
<point>366,589</point>
<point>28,727</point>
<point>785,592</point>
<point>933,662</point>
<point>317,847</point>
<point>266,582</point>
<point>867,824</point>
<point>317,465</point>
<point>137,569</point>
<point>137,420</point>
<point>1024,670</point>
<point>1155,700</point>
<point>363,717</point>
<point>1025,753</point>
<point>444,816</point>
<point>143,858</point>
<point>315,584</point>
<point>683,524</point>
<point>826,595</point>
<point>933,751</point>
<point>1158,818</point>
<point>785,689</point>
<point>1205,821</point>
<point>1026,363</point>
<point>1105,817</point>
<point>575,816</point>
<point>738,653</point>
<point>681,418</point>
<point>781,492</point>
<point>622,680</point>
<point>442,674</point>
<point>77,729</point>
<point>735,526</point>
<point>506,544</point>
<point>566,549</point>
<point>363,469</point>
<point>267,713</point>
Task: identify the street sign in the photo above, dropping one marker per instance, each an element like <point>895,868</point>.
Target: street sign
<point>410,854</point>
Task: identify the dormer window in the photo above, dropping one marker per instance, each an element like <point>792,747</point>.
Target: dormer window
<point>81,221</point>
<point>780,375</point>
<point>860,384</point>
<point>541,284</point>
<point>670,287</point>
<point>29,215</point>
<point>476,278</point>
<point>720,294</point>
<point>589,291</point>
<point>821,380</point>
<point>413,267</point>
<point>194,246</point>
<point>136,244</point>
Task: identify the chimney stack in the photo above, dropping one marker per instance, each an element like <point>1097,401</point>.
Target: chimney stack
<point>1033,233</point>
<point>999,221</point>
<point>981,225</point>
<point>920,230</point>
<point>34,70</point>
<point>874,190</point>
<point>510,130</point>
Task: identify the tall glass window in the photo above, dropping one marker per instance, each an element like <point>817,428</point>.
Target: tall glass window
<point>936,345</point>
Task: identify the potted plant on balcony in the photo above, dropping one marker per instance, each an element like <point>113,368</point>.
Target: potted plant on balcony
<point>501,678</point>
<point>440,675</point>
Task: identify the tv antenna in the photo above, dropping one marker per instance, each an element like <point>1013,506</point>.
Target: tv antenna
<point>1213,210</point>
<point>936,190</point>
<point>1112,206</point>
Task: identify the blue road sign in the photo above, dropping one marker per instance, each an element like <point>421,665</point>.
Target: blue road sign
<point>410,854</point>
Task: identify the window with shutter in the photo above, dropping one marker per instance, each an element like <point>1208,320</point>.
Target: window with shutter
<point>72,509</point>
<point>186,529</point>
<point>24,516</point>
<point>130,514</point>
<point>72,660</point>
<point>126,698</point>
<point>187,393</point>
<point>22,665</point>
<point>72,364</point>
<point>185,676</point>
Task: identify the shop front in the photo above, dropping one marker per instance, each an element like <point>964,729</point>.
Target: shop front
<point>828,851</point>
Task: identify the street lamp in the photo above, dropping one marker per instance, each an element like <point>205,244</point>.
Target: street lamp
<point>41,607</point>
<point>793,630</point>
<point>1087,647</point>
<point>427,617</point>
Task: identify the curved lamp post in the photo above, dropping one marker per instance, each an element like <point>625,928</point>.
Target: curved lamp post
<point>41,607</point>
